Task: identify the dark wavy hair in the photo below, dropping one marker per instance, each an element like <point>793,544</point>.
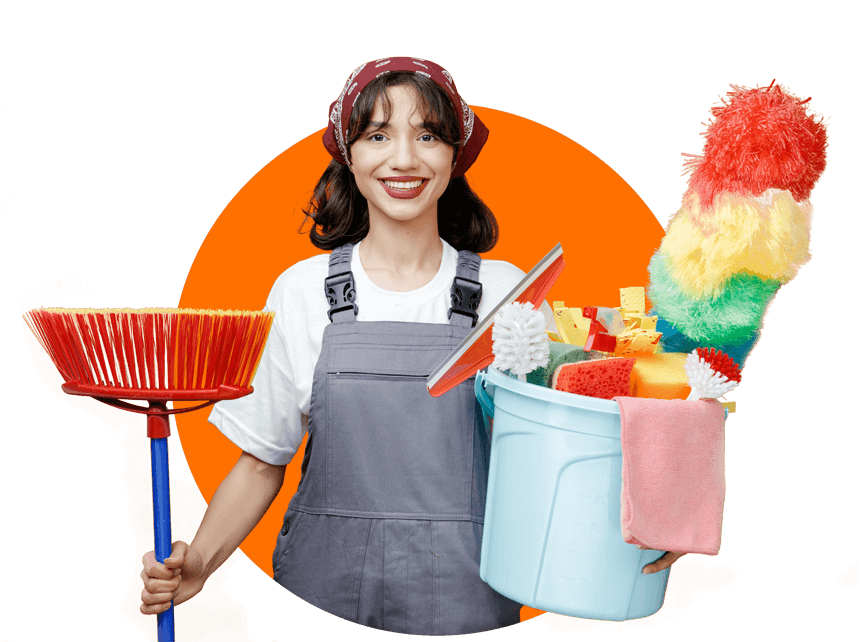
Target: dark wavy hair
<point>337,210</point>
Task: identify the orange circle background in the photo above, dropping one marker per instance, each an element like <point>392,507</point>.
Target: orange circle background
<point>543,188</point>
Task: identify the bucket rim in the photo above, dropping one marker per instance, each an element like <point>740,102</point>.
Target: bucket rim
<point>496,378</point>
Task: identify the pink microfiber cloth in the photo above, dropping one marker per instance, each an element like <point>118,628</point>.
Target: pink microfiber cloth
<point>673,481</point>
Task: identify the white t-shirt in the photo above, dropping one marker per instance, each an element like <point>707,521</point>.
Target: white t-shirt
<point>271,422</point>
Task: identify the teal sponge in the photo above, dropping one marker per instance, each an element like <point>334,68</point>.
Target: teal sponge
<point>560,353</point>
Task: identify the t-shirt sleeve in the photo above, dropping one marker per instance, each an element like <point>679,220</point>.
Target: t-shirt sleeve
<point>267,423</point>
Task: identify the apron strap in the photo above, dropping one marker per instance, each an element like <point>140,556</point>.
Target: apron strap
<point>340,286</point>
<point>466,290</point>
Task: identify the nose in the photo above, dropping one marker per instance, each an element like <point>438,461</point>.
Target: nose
<point>404,156</point>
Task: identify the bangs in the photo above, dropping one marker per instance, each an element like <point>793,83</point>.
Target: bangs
<point>434,106</point>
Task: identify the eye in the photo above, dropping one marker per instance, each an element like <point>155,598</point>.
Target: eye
<point>376,138</point>
<point>428,138</point>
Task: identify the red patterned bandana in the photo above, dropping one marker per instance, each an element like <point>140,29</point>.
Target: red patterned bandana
<point>473,132</point>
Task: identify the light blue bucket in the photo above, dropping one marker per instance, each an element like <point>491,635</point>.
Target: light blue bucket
<point>552,526</point>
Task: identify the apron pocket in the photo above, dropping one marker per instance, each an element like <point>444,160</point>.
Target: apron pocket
<point>286,537</point>
<point>323,560</point>
<point>395,449</point>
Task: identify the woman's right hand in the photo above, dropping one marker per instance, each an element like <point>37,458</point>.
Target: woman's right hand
<point>180,578</point>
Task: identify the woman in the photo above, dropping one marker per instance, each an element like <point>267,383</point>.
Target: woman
<point>385,528</point>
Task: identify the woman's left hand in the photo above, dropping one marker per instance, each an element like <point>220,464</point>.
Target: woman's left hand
<point>662,563</point>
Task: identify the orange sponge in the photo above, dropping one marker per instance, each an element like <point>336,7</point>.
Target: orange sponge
<point>602,378</point>
<point>660,376</point>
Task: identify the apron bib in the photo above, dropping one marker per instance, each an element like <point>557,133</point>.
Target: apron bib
<point>385,528</point>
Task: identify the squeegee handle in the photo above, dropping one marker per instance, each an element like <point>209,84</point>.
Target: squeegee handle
<point>161,511</point>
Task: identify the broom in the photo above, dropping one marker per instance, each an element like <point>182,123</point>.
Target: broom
<point>154,355</point>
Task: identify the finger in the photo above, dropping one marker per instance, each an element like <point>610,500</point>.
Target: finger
<point>152,599</point>
<point>662,563</point>
<point>171,565</point>
<point>177,555</point>
<point>155,569</point>
<point>160,586</point>
<point>174,559</point>
<point>156,597</point>
<point>154,609</point>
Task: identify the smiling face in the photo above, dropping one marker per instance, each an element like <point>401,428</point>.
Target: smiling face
<point>400,167</point>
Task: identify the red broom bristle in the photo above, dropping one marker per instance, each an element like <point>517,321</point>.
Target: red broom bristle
<point>216,364</point>
<point>760,138</point>
<point>152,350</point>
<point>193,350</point>
<point>234,356</point>
<point>173,375</point>
<point>149,349</point>
<point>141,344</point>
<point>75,349</point>
<point>159,322</point>
<point>38,324</point>
<point>102,348</point>
<point>253,347</point>
<point>86,337</point>
<point>128,350</point>
<point>182,353</point>
<point>720,363</point>
<point>107,340</point>
<point>204,339</point>
<point>115,356</point>
<point>137,358</point>
<point>244,330</point>
<point>261,330</point>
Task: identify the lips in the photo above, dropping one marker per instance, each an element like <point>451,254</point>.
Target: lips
<point>403,186</point>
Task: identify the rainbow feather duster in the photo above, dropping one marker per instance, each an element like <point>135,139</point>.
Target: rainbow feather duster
<point>743,227</point>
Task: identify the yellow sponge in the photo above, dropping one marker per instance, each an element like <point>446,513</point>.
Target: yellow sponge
<point>633,300</point>
<point>572,326</point>
<point>660,376</point>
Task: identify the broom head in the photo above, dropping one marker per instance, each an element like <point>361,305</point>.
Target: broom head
<point>153,353</point>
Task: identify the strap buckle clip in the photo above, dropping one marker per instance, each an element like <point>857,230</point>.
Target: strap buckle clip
<point>465,298</point>
<point>340,291</point>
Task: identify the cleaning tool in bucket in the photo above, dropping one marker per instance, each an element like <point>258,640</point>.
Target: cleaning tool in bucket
<point>520,344</point>
<point>552,525</point>
<point>154,355</point>
<point>711,374</point>
<point>476,350</point>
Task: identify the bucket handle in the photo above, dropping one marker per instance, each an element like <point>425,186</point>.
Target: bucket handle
<point>486,401</point>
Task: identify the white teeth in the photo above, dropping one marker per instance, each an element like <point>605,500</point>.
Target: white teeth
<point>404,185</point>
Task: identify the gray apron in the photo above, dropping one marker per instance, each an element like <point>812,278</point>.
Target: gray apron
<point>385,528</point>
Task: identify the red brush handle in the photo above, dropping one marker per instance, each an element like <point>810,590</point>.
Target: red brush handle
<point>158,421</point>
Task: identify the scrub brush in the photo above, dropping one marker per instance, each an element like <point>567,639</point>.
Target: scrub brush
<point>711,374</point>
<point>520,343</point>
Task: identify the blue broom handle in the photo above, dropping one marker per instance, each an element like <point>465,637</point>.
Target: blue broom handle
<point>161,519</point>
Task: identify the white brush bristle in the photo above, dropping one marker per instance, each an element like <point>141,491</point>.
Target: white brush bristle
<point>705,382</point>
<point>519,339</point>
